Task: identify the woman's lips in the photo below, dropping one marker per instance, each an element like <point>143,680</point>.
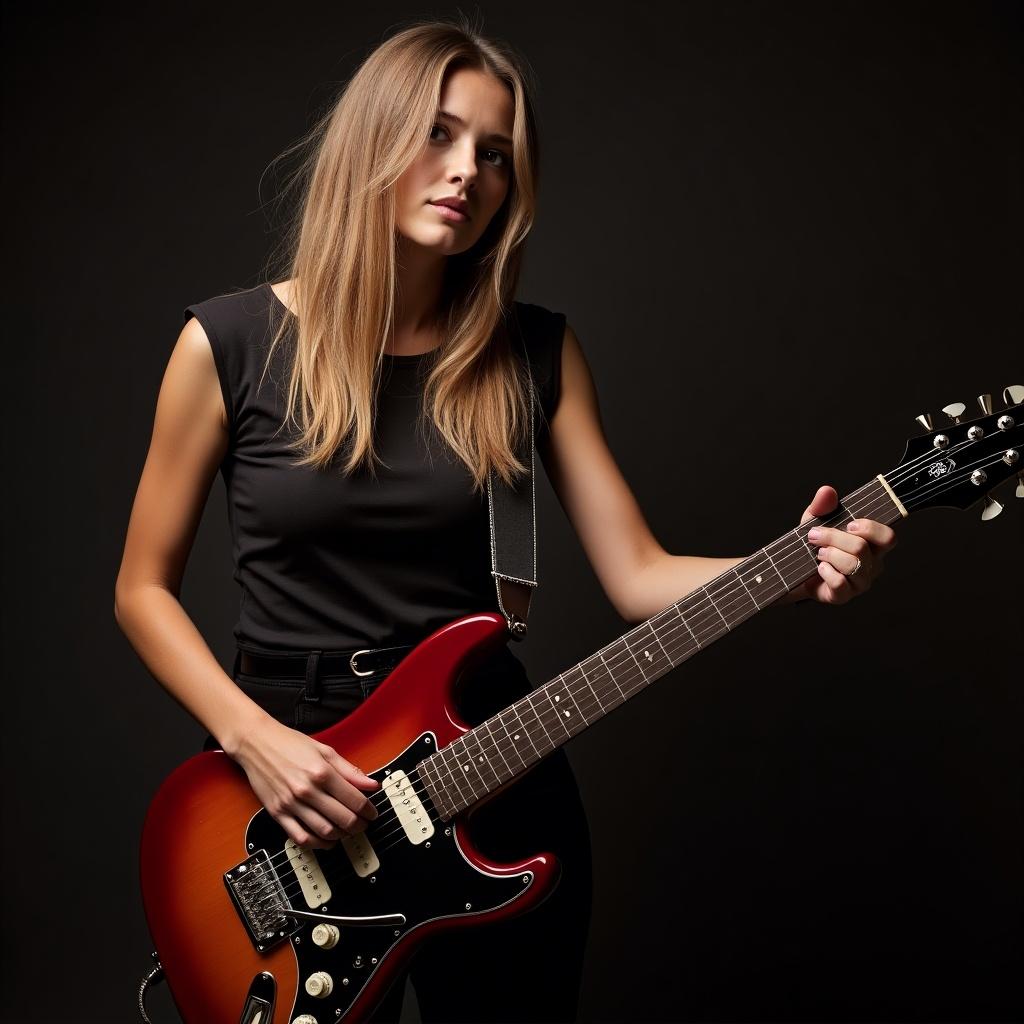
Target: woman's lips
<point>449,214</point>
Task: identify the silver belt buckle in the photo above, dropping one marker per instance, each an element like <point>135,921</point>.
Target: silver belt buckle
<point>352,662</point>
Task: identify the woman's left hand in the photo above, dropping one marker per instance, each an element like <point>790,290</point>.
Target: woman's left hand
<point>850,558</point>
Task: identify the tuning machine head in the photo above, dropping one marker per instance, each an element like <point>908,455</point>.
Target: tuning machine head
<point>955,411</point>
<point>990,509</point>
<point>1014,394</point>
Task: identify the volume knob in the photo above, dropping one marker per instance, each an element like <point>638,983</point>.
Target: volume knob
<point>326,936</point>
<point>320,985</point>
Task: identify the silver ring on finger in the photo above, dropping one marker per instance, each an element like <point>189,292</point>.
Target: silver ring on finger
<point>855,569</point>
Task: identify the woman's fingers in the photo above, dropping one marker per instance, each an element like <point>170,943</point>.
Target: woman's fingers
<point>299,833</point>
<point>839,588</point>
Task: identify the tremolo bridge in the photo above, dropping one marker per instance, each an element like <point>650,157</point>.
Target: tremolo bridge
<point>258,894</point>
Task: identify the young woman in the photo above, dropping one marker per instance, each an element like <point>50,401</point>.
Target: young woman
<point>355,411</point>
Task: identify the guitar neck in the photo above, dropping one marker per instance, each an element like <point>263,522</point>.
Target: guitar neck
<point>508,743</point>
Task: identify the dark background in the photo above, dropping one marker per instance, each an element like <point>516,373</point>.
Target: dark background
<point>781,231</point>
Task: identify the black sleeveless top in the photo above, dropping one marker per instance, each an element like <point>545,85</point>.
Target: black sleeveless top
<point>333,562</point>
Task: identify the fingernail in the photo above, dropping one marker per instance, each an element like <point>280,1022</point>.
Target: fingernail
<point>852,527</point>
<point>814,534</point>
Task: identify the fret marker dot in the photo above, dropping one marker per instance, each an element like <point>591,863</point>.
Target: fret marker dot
<point>516,737</point>
<point>481,759</point>
<point>566,713</point>
<point>757,579</point>
<point>557,698</point>
<point>465,767</point>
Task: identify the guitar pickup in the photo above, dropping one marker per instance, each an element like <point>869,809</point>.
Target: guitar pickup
<point>411,812</point>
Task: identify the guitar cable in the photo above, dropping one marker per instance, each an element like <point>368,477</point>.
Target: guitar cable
<point>155,974</point>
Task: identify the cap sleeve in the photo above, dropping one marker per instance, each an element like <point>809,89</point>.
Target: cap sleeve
<point>542,332</point>
<point>238,326</point>
<point>207,318</point>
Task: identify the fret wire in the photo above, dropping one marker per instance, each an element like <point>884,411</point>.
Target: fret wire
<point>586,679</point>
<point>497,746</point>
<point>636,661</point>
<point>524,732</point>
<point>542,727</point>
<point>551,700</point>
<point>682,619</point>
<point>654,633</point>
<point>486,759</point>
<point>713,605</point>
<point>429,783</point>
<point>510,743</point>
<point>460,752</point>
<point>746,588</point>
<point>533,708</point>
<point>449,754</point>
<point>611,676</point>
<point>442,789</point>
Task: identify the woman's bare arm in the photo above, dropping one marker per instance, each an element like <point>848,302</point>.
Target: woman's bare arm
<point>305,785</point>
<point>638,575</point>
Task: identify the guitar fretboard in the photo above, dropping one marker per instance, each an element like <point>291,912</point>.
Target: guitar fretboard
<point>508,743</point>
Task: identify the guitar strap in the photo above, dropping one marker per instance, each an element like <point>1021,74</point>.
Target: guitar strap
<point>513,518</point>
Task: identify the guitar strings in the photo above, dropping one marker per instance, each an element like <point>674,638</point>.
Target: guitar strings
<point>606,691</point>
<point>631,688</point>
<point>730,591</point>
<point>697,624</point>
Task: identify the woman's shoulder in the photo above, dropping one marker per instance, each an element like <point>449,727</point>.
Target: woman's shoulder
<point>538,323</point>
<point>233,313</point>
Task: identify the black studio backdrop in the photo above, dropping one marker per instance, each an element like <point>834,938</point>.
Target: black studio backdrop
<point>781,231</point>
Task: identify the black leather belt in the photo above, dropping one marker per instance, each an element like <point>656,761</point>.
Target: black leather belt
<point>364,662</point>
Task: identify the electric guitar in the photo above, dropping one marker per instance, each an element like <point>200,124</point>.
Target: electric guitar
<point>252,929</point>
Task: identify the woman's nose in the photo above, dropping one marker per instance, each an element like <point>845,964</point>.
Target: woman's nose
<point>463,165</point>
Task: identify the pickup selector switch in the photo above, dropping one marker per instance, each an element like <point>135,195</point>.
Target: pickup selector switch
<point>326,936</point>
<point>319,985</point>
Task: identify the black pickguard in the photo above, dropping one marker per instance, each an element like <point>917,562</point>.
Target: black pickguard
<point>425,882</point>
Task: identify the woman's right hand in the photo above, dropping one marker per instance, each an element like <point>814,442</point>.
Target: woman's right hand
<point>307,787</point>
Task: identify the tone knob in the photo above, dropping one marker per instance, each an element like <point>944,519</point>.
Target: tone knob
<point>304,1018</point>
<point>326,936</point>
<point>319,985</point>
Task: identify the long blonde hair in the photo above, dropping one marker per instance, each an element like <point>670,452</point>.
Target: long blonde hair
<point>341,248</point>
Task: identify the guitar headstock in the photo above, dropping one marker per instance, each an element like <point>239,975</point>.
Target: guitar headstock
<point>957,465</point>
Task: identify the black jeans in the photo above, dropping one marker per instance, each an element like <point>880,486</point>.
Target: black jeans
<point>527,968</point>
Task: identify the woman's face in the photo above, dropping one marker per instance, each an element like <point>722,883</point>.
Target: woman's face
<point>469,158</point>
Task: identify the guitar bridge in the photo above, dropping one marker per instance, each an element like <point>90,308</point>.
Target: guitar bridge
<point>259,897</point>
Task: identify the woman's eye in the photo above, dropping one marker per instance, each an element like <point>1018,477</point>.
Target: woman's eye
<point>501,161</point>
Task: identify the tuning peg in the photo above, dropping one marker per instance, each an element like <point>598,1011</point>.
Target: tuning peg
<point>925,419</point>
<point>985,401</point>
<point>990,509</point>
<point>955,411</point>
<point>1014,394</point>
<point>1020,484</point>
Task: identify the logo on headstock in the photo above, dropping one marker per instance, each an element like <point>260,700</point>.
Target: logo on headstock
<point>937,469</point>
